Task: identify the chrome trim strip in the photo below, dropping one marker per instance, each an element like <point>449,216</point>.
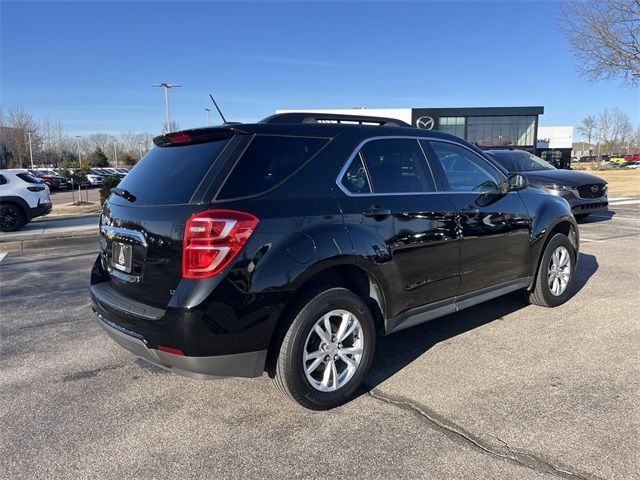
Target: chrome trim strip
<point>113,232</point>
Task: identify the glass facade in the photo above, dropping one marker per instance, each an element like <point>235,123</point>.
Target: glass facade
<point>453,125</point>
<point>501,131</point>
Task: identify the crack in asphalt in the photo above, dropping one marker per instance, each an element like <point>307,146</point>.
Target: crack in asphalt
<point>520,457</point>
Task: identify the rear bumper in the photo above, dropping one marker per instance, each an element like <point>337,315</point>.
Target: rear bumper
<point>41,209</point>
<point>249,364</point>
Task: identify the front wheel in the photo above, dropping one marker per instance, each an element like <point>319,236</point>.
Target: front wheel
<point>554,282</point>
<point>327,350</point>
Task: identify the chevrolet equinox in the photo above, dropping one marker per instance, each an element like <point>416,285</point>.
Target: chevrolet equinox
<point>288,245</point>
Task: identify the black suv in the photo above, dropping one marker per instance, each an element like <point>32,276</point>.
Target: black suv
<point>288,245</point>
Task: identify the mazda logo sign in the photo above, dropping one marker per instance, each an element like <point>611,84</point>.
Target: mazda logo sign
<point>595,188</point>
<point>425,122</point>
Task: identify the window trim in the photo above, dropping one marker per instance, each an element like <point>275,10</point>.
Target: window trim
<point>357,151</point>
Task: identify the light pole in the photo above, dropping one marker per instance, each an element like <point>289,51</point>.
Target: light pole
<point>115,152</point>
<point>79,153</point>
<point>207,110</point>
<point>29,132</point>
<point>166,87</point>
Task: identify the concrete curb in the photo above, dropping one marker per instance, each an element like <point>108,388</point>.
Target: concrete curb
<point>61,240</point>
<point>65,216</point>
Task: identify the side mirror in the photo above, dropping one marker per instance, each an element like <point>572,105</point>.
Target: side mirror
<point>517,181</point>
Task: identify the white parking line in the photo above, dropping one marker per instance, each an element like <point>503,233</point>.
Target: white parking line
<point>2,255</point>
<point>625,202</point>
<point>620,198</point>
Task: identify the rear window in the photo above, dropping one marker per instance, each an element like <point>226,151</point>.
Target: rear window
<point>27,177</point>
<point>170,175</point>
<point>267,162</point>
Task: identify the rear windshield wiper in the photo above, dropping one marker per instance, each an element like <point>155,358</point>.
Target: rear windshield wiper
<point>121,192</point>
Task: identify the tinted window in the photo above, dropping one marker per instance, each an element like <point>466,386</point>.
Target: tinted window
<point>355,178</point>
<point>397,166</point>
<point>170,175</point>
<point>268,161</point>
<point>27,177</point>
<point>2,180</point>
<point>466,171</point>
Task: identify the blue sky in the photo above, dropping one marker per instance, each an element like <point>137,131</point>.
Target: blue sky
<point>91,64</point>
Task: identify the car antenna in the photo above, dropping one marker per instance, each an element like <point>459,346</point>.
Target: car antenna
<point>218,108</point>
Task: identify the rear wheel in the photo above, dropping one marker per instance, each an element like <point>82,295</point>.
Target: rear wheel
<point>554,281</point>
<point>327,350</point>
<point>12,217</point>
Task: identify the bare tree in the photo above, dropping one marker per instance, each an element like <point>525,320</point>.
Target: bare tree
<point>587,128</point>
<point>21,122</point>
<point>605,37</point>
<point>171,127</point>
<point>615,130</point>
<point>103,141</point>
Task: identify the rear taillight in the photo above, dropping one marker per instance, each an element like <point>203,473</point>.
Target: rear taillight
<point>212,239</point>
<point>35,189</point>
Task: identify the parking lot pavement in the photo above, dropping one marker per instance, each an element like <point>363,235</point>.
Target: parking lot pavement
<point>502,390</point>
<point>62,197</point>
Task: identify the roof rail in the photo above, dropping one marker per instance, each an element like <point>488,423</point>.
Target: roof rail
<point>310,117</point>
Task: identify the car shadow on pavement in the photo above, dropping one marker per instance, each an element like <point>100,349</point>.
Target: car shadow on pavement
<point>395,352</point>
<point>597,218</point>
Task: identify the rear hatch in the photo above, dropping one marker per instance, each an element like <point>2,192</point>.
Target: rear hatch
<point>142,228</point>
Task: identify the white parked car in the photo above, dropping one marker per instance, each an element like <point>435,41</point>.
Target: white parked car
<point>22,198</point>
<point>94,180</point>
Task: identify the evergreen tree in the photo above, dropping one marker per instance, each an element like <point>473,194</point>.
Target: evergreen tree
<point>98,158</point>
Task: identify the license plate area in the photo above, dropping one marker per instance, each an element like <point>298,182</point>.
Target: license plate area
<point>121,256</point>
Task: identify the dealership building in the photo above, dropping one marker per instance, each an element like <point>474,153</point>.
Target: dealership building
<point>486,127</point>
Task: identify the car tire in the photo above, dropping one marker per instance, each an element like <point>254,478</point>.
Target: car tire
<point>318,372</point>
<point>12,217</point>
<point>556,273</point>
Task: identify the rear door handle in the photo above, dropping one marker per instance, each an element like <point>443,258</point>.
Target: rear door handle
<point>377,211</point>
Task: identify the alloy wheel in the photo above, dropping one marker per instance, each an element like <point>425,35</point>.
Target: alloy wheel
<point>333,350</point>
<point>559,271</point>
<point>8,218</point>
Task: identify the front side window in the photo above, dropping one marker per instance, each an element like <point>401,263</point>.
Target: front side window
<point>466,171</point>
<point>397,166</point>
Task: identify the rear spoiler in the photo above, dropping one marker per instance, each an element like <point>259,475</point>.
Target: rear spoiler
<point>199,135</point>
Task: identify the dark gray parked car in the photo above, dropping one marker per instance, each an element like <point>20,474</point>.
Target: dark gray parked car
<point>585,193</point>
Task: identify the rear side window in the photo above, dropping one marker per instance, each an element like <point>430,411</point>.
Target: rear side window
<point>27,177</point>
<point>355,178</point>
<point>3,180</point>
<point>267,162</point>
<point>170,175</point>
